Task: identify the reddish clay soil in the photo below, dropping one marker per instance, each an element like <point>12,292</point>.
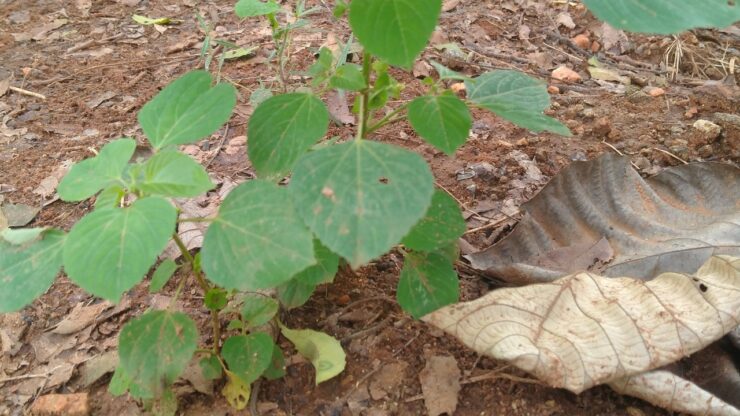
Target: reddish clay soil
<point>96,68</point>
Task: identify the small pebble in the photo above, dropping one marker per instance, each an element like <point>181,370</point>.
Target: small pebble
<point>566,74</point>
<point>710,130</point>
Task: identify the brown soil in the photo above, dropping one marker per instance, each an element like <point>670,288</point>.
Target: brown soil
<point>98,69</point>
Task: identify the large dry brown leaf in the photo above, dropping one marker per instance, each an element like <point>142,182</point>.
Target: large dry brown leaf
<point>584,329</point>
<point>672,222</point>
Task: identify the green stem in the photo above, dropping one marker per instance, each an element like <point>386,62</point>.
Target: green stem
<point>216,323</point>
<point>365,97</point>
<point>388,119</point>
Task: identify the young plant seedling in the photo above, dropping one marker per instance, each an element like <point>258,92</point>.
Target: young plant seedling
<point>350,200</point>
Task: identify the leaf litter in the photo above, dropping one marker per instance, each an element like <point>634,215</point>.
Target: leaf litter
<point>674,235</point>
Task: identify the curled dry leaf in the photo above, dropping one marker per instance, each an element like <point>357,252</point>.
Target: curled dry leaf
<point>672,222</point>
<point>673,392</point>
<point>584,329</point>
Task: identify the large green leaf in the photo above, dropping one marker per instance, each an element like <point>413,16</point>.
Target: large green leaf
<point>110,250</point>
<point>187,110</point>
<point>299,289</point>
<point>258,309</point>
<point>256,241</point>
<point>442,225</point>
<point>91,175</point>
<point>428,282</point>
<point>252,8</point>
<point>516,97</point>
<point>173,174</point>
<point>27,270</point>
<point>394,30</point>
<point>282,128</point>
<point>361,197</point>
<point>665,16</point>
<point>444,121</point>
<point>324,351</point>
<point>156,347</point>
<point>248,356</point>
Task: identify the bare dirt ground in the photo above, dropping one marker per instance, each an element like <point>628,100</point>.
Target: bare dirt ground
<point>96,68</point>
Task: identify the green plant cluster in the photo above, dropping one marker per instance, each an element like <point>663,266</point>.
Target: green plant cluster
<point>347,200</point>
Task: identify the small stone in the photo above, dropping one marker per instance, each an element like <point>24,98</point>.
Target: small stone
<point>602,126</point>
<point>553,89</point>
<point>457,87</point>
<point>522,142</point>
<point>483,169</point>
<point>680,151</point>
<point>727,118</point>
<point>642,163</point>
<point>691,112</point>
<point>61,404</point>
<point>582,41</point>
<point>706,151</point>
<point>595,46</point>
<point>710,130</point>
<point>677,130</point>
<point>566,74</point>
<point>588,113</point>
<point>472,189</point>
<point>654,91</point>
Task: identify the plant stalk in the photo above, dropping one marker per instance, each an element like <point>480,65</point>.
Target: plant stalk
<point>216,323</point>
<point>364,113</point>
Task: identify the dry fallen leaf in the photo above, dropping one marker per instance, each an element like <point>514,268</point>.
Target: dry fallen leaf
<point>338,109</point>
<point>583,329</point>
<point>674,393</point>
<point>80,317</point>
<point>671,222</point>
<point>440,384</point>
<point>387,380</point>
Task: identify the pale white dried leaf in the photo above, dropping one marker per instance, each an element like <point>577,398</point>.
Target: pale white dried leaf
<point>667,390</point>
<point>584,329</point>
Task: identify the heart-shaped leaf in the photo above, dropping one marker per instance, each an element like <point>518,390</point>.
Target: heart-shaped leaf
<point>173,174</point>
<point>258,309</point>
<point>297,291</point>
<point>256,241</point>
<point>156,347</point>
<point>516,97</point>
<point>360,198</point>
<point>283,128</point>
<point>248,356</point>
<point>91,175</point>
<point>394,30</point>
<point>665,16</point>
<point>428,282</point>
<point>187,110</point>
<point>443,120</point>
<point>27,270</point>
<point>442,225</point>
<point>110,250</point>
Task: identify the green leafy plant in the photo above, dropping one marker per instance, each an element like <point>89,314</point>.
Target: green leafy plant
<point>349,200</point>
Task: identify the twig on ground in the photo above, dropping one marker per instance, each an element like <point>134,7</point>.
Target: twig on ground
<point>26,92</point>
<point>671,155</point>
